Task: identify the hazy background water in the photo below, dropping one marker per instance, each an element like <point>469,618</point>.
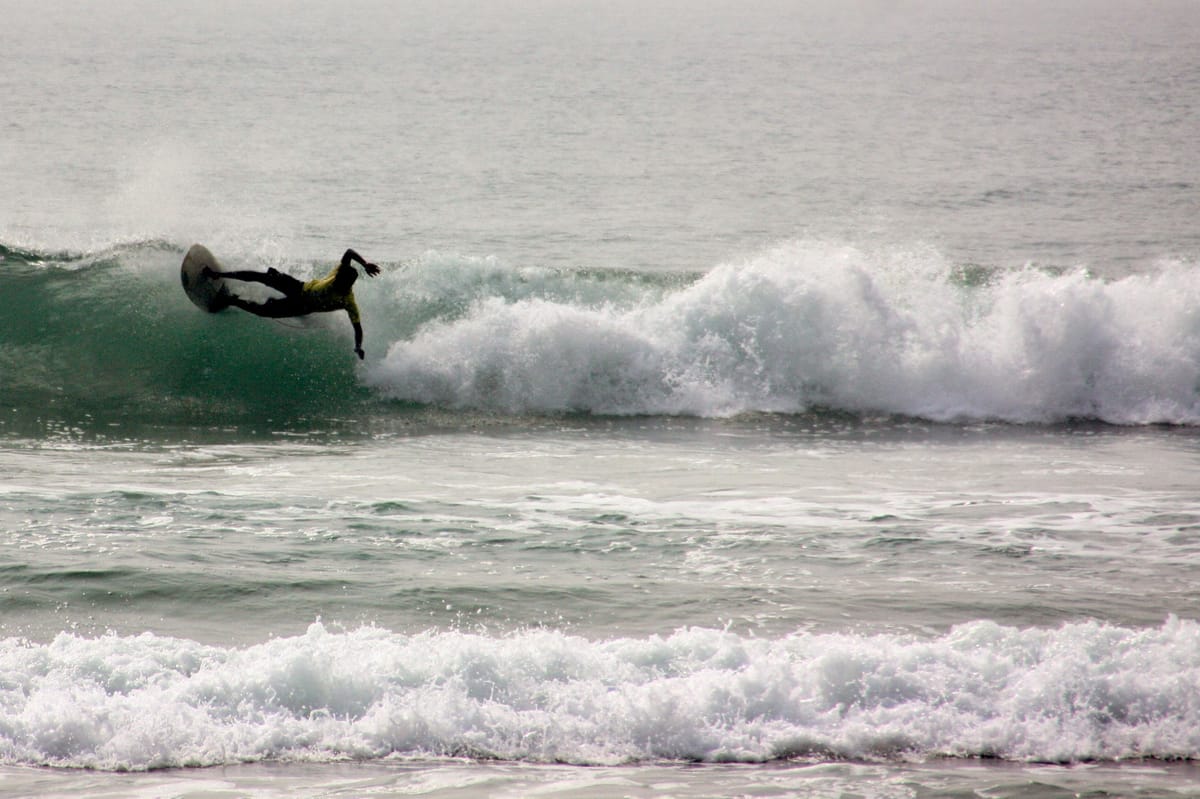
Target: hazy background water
<point>662,135</point>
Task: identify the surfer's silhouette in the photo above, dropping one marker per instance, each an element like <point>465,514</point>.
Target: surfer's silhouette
<point>334,292</point>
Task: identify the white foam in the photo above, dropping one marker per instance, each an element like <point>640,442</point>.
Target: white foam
<point>1083,691</point>
<point>812,324</point>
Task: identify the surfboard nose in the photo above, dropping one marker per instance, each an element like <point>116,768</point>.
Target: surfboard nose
<point>198,274</point>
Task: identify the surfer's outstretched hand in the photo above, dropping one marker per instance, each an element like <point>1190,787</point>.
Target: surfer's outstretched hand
<point>372,269</point>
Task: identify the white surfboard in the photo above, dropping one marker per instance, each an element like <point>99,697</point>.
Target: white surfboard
<point>206,292</point>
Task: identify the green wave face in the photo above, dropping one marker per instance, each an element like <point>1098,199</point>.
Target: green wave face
<point>111,341</point>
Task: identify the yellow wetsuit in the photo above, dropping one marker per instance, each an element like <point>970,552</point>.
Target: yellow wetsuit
<point>334,292</point>
<point>323,294</point>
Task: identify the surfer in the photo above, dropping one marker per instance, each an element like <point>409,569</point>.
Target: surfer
<point>334,292</point>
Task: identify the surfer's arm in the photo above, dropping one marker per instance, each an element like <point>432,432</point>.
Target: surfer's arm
<point>358,350</point>
<point>352,311</point>
<point>351,255</point>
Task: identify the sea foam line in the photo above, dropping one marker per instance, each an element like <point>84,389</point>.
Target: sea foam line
<point>1083,691</point>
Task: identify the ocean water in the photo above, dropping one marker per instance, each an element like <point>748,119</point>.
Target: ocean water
<point>784,399</point>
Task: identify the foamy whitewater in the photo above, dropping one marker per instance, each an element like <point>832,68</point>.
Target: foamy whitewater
<point>808,325</point>
<point>1082,692</point>
<point>785,399</point>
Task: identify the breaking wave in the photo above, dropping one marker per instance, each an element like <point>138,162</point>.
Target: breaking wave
<point>814,326</point>
<point>803,327</point>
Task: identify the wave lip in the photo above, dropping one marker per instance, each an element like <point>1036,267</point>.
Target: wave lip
<point>812,325</point>
<point>1080,692</point>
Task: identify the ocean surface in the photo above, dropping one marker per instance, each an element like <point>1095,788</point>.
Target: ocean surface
<point>773,399</point>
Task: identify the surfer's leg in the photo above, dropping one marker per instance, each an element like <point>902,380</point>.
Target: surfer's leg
<point>272,277</point>
<point>274,308</point>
